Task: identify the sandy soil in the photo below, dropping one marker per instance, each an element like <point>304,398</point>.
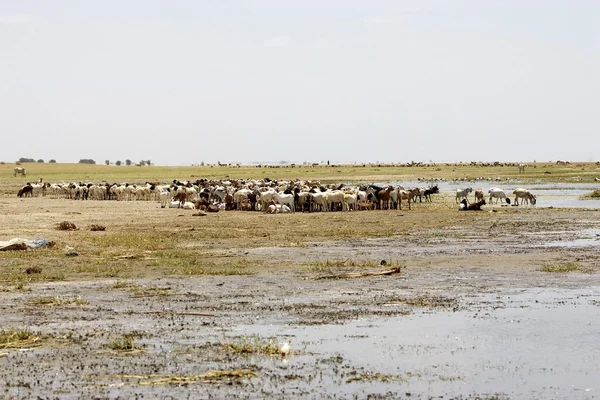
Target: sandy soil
<point>183,327</point>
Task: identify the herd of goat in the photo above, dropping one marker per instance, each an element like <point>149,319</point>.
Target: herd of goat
<point>266,195</point>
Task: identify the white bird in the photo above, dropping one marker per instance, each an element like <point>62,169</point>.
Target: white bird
<point>284,349</point>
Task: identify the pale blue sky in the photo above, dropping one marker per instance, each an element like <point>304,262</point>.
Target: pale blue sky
<point>180,82</point>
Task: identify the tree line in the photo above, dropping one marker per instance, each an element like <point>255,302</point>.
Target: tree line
<point>128,162</point>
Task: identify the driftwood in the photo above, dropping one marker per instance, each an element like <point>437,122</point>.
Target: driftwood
<point>392,271</point>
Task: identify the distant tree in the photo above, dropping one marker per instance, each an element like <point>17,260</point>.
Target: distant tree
<point>26,160</point>
<point>127,162</point>
<point>107,162</point>
<point>142,163</point>
<point>52,161</point>
<point>148,162</point>
<point>87,161</point>
<point>118,163</point>
<point>40,161</point>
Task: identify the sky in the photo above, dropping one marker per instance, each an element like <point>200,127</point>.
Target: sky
<point>182,82</point>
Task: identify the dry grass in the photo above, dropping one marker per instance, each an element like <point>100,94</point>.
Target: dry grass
<point>252,345</point>
<point>213,376</point>
<point>57,301</point>
<point>592,196</point>
<point>125,343</point>
<point>146,241</point>
<point>375,377</point>
<point>564,268</point>
<point>18,338</point>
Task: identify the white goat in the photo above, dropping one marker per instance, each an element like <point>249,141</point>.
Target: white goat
<point>497,193</point>
<point>462,194</point>
<point>283,198</point>
<point>525,196</point>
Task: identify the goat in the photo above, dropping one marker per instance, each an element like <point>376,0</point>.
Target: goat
<point>26,190</point>
<point>384,198</point>
<point>498,194</point>
<point>429,191</point>
<point>461,194</point>
<point>479,195</point>
<point>405,194</point>
<point>525,196</point>
<point>181,197</point>
<point>164,197</point>
<point>465,206</point>
<point>285,199</point>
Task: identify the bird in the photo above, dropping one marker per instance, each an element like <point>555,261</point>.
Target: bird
<point>284,349</point>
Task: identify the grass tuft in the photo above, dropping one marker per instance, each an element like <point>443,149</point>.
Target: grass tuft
<point>253,345</point>
<point>125,343</point>
<point>561,268</point>
<point>15,339</point>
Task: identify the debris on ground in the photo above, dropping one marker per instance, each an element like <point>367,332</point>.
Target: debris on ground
<point>33,270</point>
<point>392,271</point>
<point>24,244</point>
<point>70,252</point>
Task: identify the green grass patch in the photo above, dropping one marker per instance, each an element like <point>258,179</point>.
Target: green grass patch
<point>561,268</point>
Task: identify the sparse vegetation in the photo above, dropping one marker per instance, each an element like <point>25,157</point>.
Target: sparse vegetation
<point>18,338</point>
<point>563,268</point>
<point>66,226</point>
<point>125,343</point>
<point>594,195</point>
<point>57,301</point>
<point>252,345</point>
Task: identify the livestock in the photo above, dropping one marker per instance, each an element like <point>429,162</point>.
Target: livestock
<point>461,194</point>
<point>350,201</point>
<point>19,171</point>
<point>188,205</point>
<point>285,199</point>
<point>429,191</point>
<point>465,206</point>
<point>181,197</point>
<point>164,198</point>
<point>479,195</point>
<point>497,193</point>
<point>405,194</point>
<point>525,196</point>
<point>522,168</point>
<point>25,191</point>
<point>384,197</point>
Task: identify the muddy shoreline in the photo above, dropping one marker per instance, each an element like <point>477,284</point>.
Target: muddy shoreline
<point>472,315</point>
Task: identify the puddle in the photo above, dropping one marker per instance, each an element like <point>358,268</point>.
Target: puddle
<point>531,344</point>
<point>585,238</point>
<point>558,195</point>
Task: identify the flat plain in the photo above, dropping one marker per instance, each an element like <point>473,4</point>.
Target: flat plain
<point>496,304</point>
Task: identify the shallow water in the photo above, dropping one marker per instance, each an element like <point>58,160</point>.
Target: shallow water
<point>558,195</point>
<point>529,344</point>
<point>585,238</point>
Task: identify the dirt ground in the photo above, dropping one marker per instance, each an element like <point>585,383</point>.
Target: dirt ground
<point>131,320</point>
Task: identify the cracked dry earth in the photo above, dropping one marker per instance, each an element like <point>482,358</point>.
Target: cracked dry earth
<point>473,314</point>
